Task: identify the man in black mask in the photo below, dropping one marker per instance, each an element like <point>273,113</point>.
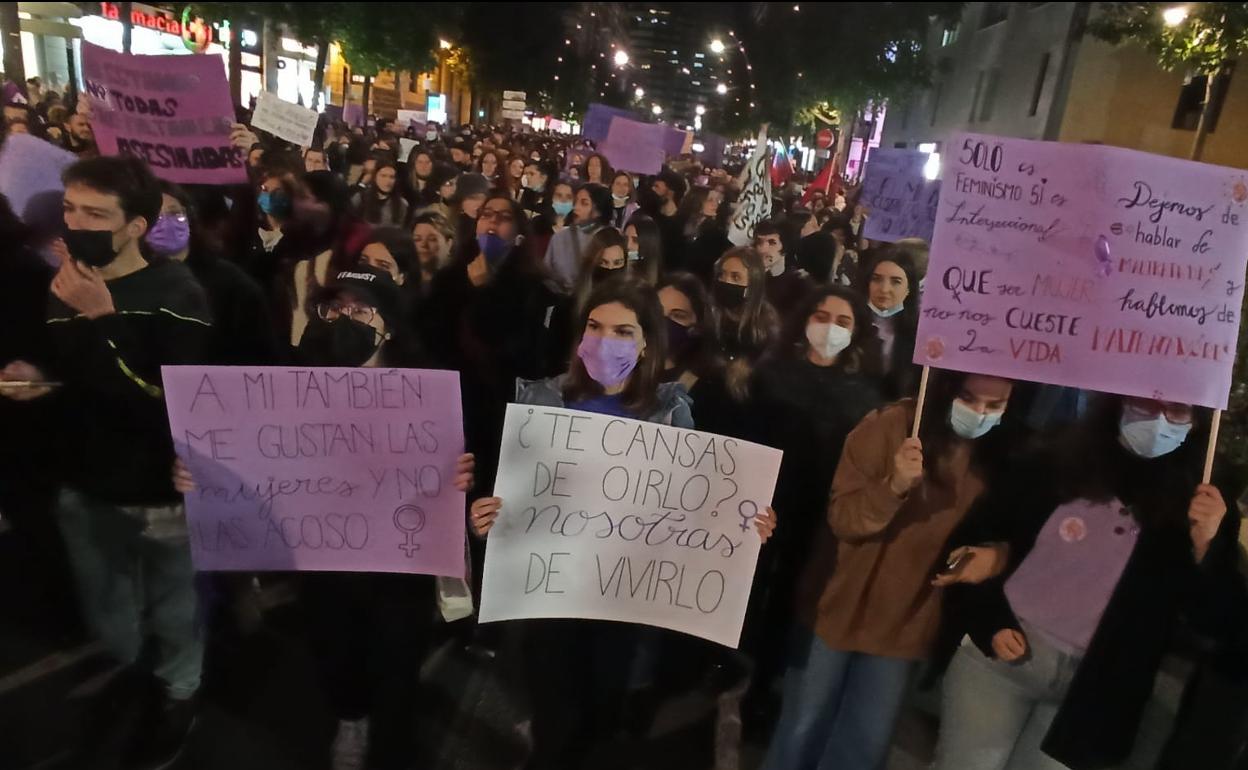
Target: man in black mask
<point>114,319</point>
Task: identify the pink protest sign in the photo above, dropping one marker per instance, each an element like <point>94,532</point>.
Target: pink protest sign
<point>332,469</point>
<point>1086,266</point>
<point>635,146</point>
<point>174,112</point>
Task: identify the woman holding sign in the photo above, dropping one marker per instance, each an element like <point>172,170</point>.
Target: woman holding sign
<point>1111,539</point>
<point>369,631</point>
<point>868,609</point>
<point>578,670</point>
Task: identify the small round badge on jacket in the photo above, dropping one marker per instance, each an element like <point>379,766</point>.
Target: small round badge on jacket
<point>1073,529</point>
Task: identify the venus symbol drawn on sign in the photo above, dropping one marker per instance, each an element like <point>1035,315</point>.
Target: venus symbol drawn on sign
<point>747,518</point>
<point>410,520</point>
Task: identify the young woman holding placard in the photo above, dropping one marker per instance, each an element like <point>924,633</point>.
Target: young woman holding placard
<point>578,671</point>
<point>1110,539</point>
<point>870,601</point>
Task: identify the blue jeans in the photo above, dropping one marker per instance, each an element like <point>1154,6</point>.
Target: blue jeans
<point>995,715</point>
<point>133,587</point>
<point>839,708</point>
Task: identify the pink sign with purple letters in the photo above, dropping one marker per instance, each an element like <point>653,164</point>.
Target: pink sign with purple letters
<point>174,112</point>
<point>1087,266</point>
<point>320,468</point>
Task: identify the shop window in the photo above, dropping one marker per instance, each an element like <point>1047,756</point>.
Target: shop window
<point>950,34</point>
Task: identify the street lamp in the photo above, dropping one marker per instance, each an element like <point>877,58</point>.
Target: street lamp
<point>699,110</point>
<point>621,58</point>
<point>640,92</point>
<point>721,89</point>
<point>717,46</point>
<point>1175,15</point>
<point>657,110</point>
<point>445,45</point>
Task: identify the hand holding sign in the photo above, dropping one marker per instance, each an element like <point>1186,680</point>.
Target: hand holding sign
<point>907,467</point>
<point>601,517</point>
<point>1205,514</point>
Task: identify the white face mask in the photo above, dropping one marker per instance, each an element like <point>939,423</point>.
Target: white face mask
<point>620,200</point>
<point>776,269</point>
<point>1152,438</point>
<point>828,340</point>
<point>634,256</point>
<point>970,424</point>
<point>888,313</point>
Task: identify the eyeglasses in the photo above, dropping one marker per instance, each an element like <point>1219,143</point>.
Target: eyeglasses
<point>332,311</point>
<point>497,215</point>
<point>1150,409</point>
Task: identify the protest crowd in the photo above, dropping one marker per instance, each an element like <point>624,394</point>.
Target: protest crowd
<point>526,264</point>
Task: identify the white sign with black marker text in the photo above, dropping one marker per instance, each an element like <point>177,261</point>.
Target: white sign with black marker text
<point>615,519</point>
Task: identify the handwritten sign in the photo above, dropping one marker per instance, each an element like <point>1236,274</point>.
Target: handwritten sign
<point>1087,266</point>
<point>754,205</point>
<point>284,120</point>
<point>901,198</point>
<point>174,112</point>
<point>617,519</point>
<point>320,468</point>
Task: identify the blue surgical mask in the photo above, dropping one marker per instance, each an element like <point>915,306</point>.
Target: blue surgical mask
<point>562,208</point>
<point>494,248</point>
<point>970,424</point>
<point>634,255</point>
<point>887,313</point>
<point>274,203</point>
<point>1150,438</point>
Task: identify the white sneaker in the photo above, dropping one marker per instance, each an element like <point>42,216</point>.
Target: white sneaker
<point>350,746</point>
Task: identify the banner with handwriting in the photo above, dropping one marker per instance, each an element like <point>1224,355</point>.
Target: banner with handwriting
<point>174,112</point>
<point>1087,266</point>
<point>334,469</point>
<point>616,519</point>
<point>902,200</point>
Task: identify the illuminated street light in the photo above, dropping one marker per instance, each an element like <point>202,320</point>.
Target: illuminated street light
<point>717,46</point>
<point>721,89</point>
<point>1175,15</point>
<point>444,44</point>
<point>657,110</point>
<point>640,92</point>
<point>621,58</point>
<point>699,110</point>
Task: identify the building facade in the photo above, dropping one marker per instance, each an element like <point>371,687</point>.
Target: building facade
<point>1030,70</point>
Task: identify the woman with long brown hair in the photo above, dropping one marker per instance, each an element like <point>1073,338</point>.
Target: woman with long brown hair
<point>747,322</point>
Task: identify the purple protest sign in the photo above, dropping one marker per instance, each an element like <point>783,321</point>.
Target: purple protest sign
<point>175,112</point>
<point>901,199</point>
<point>30,177</point>
<point>1087,266</point>
<point>635,146</point>
<point>330,469</point>
<point>353,114</point>
<point>598,119</point>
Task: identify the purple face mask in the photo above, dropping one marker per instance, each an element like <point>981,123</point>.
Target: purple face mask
<point>608,361</point>
<point>170,235</point>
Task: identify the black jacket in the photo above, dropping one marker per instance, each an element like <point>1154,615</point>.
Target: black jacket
<point>242,333</point>
<point>1099,717</point>
<point>118,448</point>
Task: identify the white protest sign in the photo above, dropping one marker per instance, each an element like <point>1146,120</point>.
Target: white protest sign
<point>412,117</point>
<point>284,120</point>
<point>515,95</point>
<point>405,148</point>
<point>614,519</point>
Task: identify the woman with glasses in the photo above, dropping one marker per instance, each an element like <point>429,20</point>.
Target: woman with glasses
<point>369,632</point>
<point>1111,540</point>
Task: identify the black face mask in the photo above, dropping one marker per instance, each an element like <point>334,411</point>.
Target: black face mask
<point>680,340</point>
<point>728,295</point>
<point>93,248</point>
<point>606,273</point>
<point>341,342</point>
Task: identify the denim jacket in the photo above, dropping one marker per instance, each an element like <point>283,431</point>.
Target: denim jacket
<point>673,406</point>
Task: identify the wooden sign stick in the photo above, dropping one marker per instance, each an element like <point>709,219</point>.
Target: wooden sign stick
<point>918,409</point>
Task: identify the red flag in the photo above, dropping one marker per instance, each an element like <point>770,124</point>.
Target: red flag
<point>781,169</point>
<point>822,182</point>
